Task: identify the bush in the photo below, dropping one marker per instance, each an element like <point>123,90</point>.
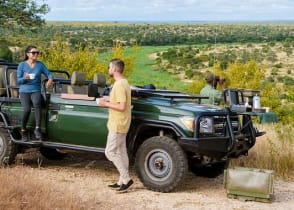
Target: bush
<point>278,65</point>
<point>275,71</point>
<point>273,151</point>
<point>288,80</point>
<point>6,54</point>
<point>189,73</point>
<point>203,58</point>
<point>60,56</point>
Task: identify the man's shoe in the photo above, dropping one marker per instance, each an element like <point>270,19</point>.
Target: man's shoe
<point>115,185</point>
<point>38,134</point>
<point>124,187</point>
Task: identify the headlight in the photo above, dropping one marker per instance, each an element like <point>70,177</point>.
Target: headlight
<point>206,125</point>
<point>189,122</point>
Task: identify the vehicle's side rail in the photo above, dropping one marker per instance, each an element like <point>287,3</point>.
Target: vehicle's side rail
<point>60,86</point>
<point>10,81</point>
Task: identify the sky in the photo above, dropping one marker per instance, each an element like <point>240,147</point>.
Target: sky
<point>169,10</point>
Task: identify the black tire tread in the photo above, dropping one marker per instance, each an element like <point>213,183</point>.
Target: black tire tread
<point>177,152</point>
<point>8,157</point>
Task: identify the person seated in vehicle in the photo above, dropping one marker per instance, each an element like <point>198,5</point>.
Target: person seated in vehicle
<point>210,90</point>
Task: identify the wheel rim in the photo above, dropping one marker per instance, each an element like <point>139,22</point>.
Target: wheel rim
<point>158,165</point>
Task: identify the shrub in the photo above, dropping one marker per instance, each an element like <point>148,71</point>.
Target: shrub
<point>60,56</point>
<point>273,151</point>
<point>274,71</point>
<point>278,65</point>
<point>203,58</point>
<point>189,73</point>
<point>249,75</point>
<point>6,54</point>
<point>288,80</point>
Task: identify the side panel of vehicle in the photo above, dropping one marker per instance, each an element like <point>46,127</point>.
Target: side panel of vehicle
<point>77,122</point>
<point>14,112</point>
<point>161,111</point>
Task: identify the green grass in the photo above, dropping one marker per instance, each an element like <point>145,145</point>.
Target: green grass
<point>145,73</point>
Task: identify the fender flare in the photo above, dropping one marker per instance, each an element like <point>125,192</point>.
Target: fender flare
<point>136,127</point>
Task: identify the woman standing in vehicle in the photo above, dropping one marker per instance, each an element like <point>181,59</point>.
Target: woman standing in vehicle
<point>29,74</point>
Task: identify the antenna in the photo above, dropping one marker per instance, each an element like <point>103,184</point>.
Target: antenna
<point>214,58</point>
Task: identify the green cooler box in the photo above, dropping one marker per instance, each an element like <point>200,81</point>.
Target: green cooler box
<point>249,184</point>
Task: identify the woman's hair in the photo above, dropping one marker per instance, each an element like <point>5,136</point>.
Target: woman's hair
<point>28,49</point>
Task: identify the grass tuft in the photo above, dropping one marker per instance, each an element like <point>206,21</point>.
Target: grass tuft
<point>274,151</point>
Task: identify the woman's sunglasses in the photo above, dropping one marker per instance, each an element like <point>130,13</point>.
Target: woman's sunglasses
<point>35,52</point>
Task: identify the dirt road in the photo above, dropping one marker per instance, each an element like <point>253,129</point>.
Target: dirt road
<point>85,179</point>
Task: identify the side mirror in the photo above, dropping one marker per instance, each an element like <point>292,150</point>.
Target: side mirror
<point>93,90</point>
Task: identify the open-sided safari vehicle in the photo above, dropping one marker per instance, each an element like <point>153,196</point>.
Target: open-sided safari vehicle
<point>171,132</point>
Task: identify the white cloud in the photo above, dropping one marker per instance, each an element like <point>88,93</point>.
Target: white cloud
<point>170,10</point>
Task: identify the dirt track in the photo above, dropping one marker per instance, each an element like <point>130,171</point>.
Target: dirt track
<point>85,177</point>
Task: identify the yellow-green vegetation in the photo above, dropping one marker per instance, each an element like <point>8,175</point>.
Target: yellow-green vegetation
<point>60,56</point>
<point>274,151</point>
<point>266,67</point>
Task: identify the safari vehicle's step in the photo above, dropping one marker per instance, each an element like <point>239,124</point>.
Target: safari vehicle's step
<point>35,143</point>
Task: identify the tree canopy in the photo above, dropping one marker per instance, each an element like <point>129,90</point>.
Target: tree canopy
<point>22,13</point>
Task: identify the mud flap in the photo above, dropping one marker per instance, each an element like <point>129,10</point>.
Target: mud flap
<point>249,184</point>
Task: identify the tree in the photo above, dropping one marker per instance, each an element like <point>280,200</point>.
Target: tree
<point>249,75</point>
<point>22,12</point>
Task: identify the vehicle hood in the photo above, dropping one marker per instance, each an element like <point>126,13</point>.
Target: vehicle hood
<point>174,107</point>
<point>195,107</point>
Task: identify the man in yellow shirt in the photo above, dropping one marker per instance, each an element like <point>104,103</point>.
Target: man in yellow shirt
<point>118,124</point>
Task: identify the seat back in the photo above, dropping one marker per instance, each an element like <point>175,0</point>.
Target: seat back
<point>6,68</point>
<point>13,84</point>
<point>100,80</point>
<point>2,80</point>
<point>78,83</point>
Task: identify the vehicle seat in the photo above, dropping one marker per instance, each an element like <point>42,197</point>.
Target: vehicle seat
<point>100,80</point>
<point>13,84</point>
<point>77,83</point>
<point>2,80</point>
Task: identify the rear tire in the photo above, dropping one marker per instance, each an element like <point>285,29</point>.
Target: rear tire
<point>8,149</point>
<point>161,164</point>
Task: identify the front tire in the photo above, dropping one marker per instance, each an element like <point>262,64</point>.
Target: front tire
<point>161,164</point>
<point>8,149</point>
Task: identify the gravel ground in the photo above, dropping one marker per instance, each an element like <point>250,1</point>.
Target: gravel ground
<point>86,178</point>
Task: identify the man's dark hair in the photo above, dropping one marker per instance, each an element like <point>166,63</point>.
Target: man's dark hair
<point>119,64</point>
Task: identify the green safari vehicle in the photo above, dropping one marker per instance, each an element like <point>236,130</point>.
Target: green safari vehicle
<point>171,132</point>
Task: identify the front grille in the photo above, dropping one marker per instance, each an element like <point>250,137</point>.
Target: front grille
<point>220,126</point>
